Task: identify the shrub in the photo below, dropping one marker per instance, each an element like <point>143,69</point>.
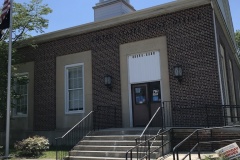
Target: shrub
<point>32,146</point>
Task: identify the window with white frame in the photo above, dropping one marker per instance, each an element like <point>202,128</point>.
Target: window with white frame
<point>74,88</point>
<point>223,66</point>
<point>232,83</point>
<point>21,95</point>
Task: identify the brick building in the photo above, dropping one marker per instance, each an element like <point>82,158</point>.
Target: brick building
<point>140,53</point>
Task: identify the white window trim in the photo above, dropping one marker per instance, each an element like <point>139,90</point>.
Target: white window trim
<point>66,89</point>
<point>232,83</point>
<point>23,115</point>
<point>225,83</point>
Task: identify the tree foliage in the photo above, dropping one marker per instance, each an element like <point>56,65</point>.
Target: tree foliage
<point>27,19</point>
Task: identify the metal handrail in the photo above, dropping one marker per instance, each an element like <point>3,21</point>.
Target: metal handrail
<point>208,142</point>
<point>68,144</point>
<point>93,120</point>
<point>150,121</point>
<point>175,149</point>
<point>148,151</point>
<point>75,126</point>
<point>146,141</point>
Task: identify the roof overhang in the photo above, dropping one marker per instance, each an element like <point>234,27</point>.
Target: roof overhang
<point>226,30</point>
<point>123,19</point>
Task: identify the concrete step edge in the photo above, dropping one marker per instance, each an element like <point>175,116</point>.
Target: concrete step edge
<point>114,140</point>
<point>97,146</point>
<point>100,158</point>
<point>103,151</point>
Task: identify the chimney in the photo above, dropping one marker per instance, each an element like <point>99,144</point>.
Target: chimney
<point>105,9</point>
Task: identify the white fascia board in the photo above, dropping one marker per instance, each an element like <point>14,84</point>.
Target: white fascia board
<point>226,31</point>
<point>123,19</point>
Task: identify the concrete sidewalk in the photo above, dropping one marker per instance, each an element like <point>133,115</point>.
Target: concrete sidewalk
<point>1,158</point>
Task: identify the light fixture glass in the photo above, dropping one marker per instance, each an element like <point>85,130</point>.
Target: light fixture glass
<point>108,81</point>
<point>178,73</point>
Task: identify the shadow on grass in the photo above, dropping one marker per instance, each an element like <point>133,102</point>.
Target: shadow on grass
<point>48,154</point>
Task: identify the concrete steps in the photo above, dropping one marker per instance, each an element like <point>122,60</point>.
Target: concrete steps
<point>110,144</point>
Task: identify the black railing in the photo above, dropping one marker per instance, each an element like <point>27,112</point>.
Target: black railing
<point>101,118</point>
<point>151,148</point>
<point>192,114</point>
<point>195,139</point>
<point>231,113</point>
<point>154,126</point>
<point>145,144</point>
<point>65,143</point>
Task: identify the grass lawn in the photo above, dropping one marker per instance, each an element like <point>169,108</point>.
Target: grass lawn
<point>49,154</point>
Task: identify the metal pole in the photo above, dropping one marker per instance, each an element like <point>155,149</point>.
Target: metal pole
<point>9,82</point>
<point>199,156</point>
<point>207,115</point>
<point>56,148</point>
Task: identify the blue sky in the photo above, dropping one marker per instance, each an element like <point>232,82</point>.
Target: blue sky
<point>63,11</point>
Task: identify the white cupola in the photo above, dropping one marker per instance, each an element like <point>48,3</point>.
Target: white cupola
<point>110,8</point>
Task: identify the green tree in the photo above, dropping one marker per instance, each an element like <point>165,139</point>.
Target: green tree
<point>237,36</point>
<point>27,19</point>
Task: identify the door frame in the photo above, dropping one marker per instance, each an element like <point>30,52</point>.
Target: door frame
<point>130,98</point>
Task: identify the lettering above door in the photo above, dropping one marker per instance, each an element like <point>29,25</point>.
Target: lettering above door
<point>144,67</point>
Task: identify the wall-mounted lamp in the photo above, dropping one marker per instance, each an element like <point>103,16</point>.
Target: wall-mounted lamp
<point>108,81</point>
<point>178,72</point>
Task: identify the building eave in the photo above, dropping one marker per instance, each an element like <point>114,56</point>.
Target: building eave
<point>226,31</point>
<point>123,19</point>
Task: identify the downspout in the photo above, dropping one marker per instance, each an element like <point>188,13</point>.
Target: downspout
<point>217,52</point>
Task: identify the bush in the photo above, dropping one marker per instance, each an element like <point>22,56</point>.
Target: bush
<point>32,146</point>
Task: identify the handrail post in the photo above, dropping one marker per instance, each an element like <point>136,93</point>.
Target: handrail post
<point>149,152</point>
<point>131,155</point>
<point>98,118</point>
<point>72,136</point>
<point>115,119</point>
<point>207,116</point>
<point>137,152</point>
<point>224,116</point>
<point>162,114</point>
<point>172,138</point>
<point>136,140</point>
<point>145,140</point>
<point>56,149</point>
<point>198,145</point>
<point>162,146</point>
<point>177,156</point>
<point>163,117</point>
<point>211,139</point>
<point>199,155</point>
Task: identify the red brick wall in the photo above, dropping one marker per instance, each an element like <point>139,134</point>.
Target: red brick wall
<point>190,42</point>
